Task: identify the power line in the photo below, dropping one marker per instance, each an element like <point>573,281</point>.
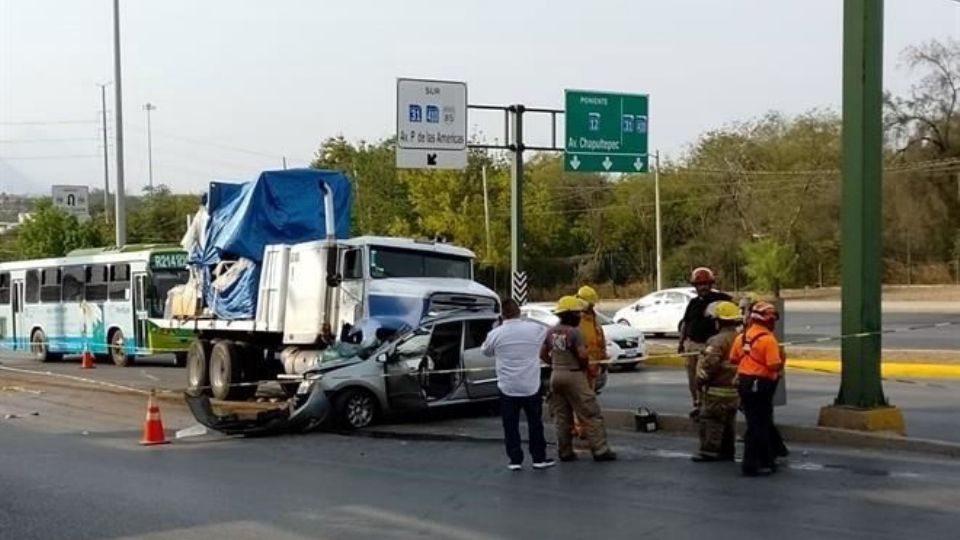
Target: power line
<point>45,122</point>
<point>55,140</point>
<point>214,144</point>
<point>74,156</point>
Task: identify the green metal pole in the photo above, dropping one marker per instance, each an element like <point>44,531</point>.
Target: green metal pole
<point>861,222</point>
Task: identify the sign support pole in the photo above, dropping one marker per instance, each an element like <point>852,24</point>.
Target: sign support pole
<point>518,290</point>
<point>860,403</point>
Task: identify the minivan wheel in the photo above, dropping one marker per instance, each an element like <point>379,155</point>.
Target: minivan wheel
<point>355,408</point>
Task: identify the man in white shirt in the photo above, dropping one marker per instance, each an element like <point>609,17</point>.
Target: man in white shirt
<point>516,346</point>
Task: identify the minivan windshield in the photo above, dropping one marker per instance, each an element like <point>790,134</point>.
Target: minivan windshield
<point>388,262</point>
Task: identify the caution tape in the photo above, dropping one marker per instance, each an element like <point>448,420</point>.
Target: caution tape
<point>420,372</point>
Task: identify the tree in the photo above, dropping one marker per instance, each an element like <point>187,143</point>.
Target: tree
<point>160,217</point>
<point>770,264</point>
<point>51,232</point>
<point>926,120</point>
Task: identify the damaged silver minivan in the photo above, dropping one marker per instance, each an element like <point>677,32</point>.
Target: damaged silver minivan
<point>381,369</point>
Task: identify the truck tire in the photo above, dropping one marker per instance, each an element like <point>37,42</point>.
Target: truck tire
<point>118,351</point>
<point>198,367</point>
<point>40,347</point>
<point>226,371</point>
<point>355,408</point>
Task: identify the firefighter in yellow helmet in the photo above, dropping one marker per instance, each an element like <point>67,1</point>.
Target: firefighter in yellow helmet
<point>566,352</point>
<point>596,341</point>
<point>718,391</point>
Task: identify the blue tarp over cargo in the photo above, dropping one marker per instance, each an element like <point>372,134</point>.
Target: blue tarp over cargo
<point>280,207</point>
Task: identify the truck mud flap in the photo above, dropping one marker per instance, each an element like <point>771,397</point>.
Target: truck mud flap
<point>303,412</point>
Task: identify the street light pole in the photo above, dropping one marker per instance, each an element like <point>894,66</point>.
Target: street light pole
<point>656,196</point>
<point>121,211</point>
<point>106,154</point>
<point>150,107</point>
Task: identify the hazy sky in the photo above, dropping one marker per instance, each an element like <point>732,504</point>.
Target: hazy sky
<point>239,84</point>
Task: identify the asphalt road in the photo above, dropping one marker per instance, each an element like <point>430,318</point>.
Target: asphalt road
<point>931,408</point>
<point>60,482</point>
<point>806,326</point>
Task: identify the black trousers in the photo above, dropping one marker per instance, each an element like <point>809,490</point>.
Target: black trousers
<point>762,442</point>
<point>532,407</point>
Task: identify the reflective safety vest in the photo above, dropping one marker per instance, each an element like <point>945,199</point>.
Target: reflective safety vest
<point>757,353</point>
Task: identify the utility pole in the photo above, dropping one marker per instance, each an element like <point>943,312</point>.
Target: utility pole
<point>121,210</point>
<point>106,154</point>
<point>860,403</point>
<point>486,208</point>
<point>149,107</point>
<point>656,196</point>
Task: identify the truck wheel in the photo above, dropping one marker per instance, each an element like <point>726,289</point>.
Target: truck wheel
<point>226,371</point>
<point>118,352</point>
<point>355,408</point>
<point>198,367</point>
<point>40,347</point>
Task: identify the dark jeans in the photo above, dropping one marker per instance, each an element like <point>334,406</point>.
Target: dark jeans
<point>532,406</point>
<point>762,441</point>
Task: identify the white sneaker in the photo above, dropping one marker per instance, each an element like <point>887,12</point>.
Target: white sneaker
<point>545,464</point>
<point>516,467</point>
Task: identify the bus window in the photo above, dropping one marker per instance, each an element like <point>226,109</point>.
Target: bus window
<point>120,282</point>
<point>97,278</point>
<point>73,278</point>
<point>32,292</point>
<point>5,288</point>
<point>50,285</point>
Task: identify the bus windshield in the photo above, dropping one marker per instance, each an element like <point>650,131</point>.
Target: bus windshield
<point>405,263</point>
<point>161,281</point>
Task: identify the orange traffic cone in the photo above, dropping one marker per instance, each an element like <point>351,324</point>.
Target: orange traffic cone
<point>153,426</point>
<point>87,362</point>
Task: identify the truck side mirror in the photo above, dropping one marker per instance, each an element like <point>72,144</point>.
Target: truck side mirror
<point>382,358</point>
<point>333,280</point>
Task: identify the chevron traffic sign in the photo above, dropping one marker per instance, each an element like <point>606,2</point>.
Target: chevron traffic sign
<point>519,290</point>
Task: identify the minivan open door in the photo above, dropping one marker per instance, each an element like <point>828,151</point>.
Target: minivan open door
<point>402,369</point>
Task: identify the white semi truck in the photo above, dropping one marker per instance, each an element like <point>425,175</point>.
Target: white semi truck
<point>310,293</point>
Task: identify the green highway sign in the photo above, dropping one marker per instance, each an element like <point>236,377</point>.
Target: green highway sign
<point>606,132</point>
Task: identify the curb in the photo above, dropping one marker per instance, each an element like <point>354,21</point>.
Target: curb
<point>888,369</point>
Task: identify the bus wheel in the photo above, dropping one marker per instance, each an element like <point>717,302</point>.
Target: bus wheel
<point>118,351</point>
<point>198,366</point>
<point>41,348</point>
<point>226,372</point>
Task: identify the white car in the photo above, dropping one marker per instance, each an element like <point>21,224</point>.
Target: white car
<point>623,342</point>
<point>657,313</point>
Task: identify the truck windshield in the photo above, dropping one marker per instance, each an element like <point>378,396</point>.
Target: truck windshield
<point>405,263</point>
